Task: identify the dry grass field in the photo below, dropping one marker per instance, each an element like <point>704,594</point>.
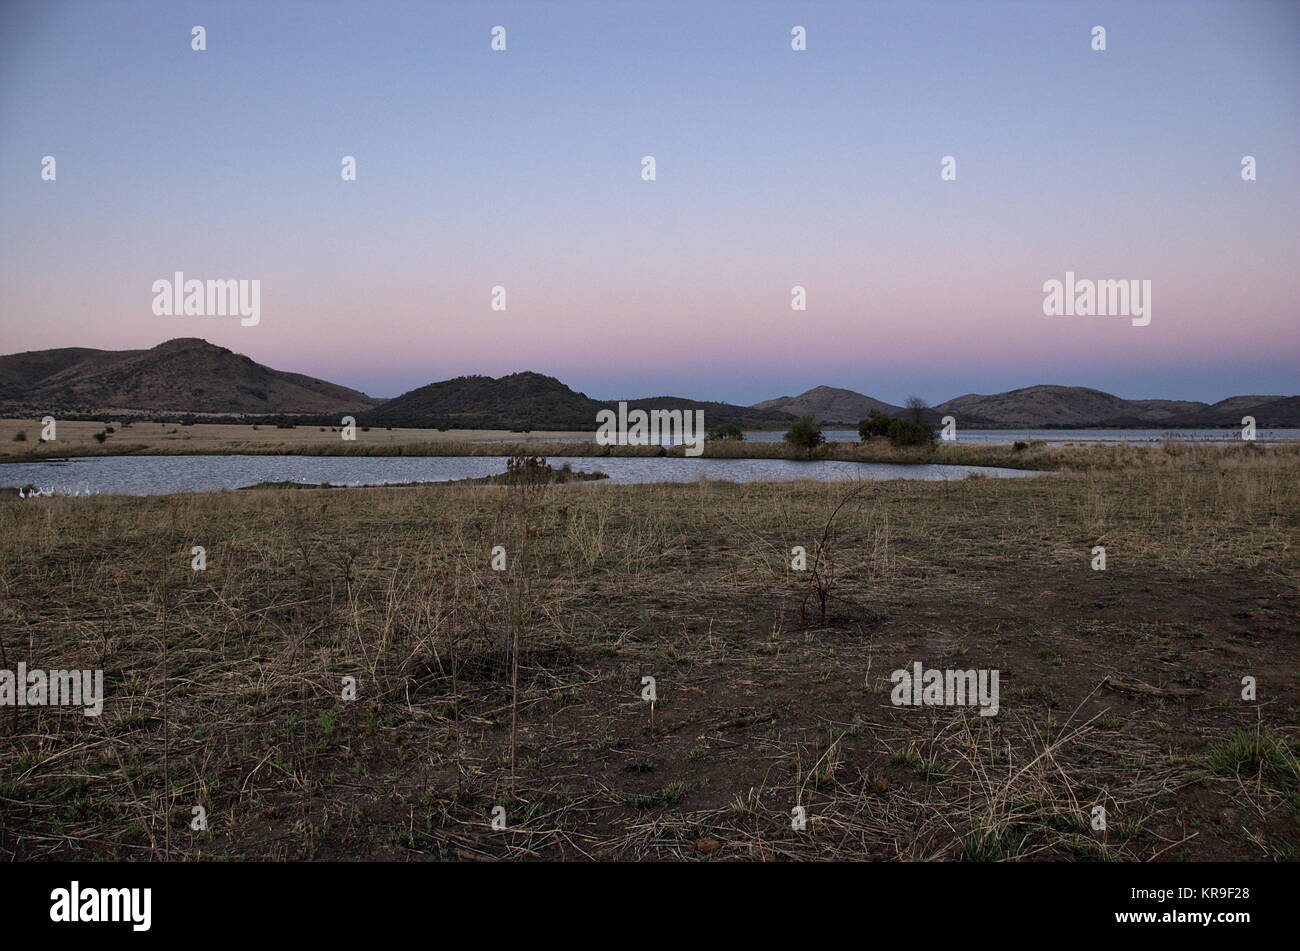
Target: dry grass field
<point>77,437</point>
<point>522,688</point>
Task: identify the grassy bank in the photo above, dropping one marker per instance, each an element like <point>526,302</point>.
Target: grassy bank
<point>523,688</point>
<point>77,439</point>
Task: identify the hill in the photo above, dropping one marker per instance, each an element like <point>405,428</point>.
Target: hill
<point>182,375</point>
<point>191,376</point>
<point>1035,406</point>
<point>829,404</point>
<point>525,401</point>
<point>1269,411</point>
<point>519,401</point>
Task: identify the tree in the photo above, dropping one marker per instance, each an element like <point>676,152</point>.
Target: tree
<point>877,424</point>
<point>910,432</point>
<point>726,432</point>
<point>916,408</point>
<point>805,435</point>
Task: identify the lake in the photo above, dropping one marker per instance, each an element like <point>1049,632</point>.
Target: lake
<point>159,475</point>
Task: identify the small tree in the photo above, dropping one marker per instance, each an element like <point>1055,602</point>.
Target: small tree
<point>728,432</point>
<point>916,408</point>
<point>805,435</point>
<point>877,424</point>
<point>910,432</point>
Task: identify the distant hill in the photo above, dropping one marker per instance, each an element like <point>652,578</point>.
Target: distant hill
<point>518,401</point>
<point>1036,406</point>
<point>715,414</point>
<point>191,376</point>
<point>829,404</point>
<point>1269,411</point>
<point>183,375</point>
<point>532,401</point>
<point>1163,411</point>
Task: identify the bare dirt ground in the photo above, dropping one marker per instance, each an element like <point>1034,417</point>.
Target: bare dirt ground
<point>1119,688</point>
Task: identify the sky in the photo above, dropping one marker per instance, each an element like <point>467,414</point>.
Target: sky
<point>522,169</point>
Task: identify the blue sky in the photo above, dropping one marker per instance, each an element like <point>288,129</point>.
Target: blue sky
<point>775,168</point>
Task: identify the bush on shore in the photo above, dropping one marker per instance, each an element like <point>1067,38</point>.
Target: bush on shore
<point>903,431</point>
<point>805,435</point>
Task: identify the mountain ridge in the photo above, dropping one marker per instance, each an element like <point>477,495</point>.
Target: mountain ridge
<point>185,374</point>
<point>188,375</point>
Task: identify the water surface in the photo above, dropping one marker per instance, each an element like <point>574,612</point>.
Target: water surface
<point>157,475</point>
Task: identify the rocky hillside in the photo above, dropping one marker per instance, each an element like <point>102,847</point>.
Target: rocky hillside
<point>829,404</point>
<point>183,375</point>
<point>525,401</point>
<point>1035,406</point>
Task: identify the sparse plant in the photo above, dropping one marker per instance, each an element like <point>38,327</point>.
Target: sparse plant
<point>821,573</point>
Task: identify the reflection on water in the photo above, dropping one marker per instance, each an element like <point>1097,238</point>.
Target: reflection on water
<point>155,475</point>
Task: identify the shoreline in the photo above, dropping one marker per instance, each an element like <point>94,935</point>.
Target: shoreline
<point>1032,455</point>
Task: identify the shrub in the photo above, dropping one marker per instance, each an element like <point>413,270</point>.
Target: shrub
<point>20,436</point>
<point>527,470</point>
<point>877,424</point>
<point>100,437</point>
<point>910,432</point>
<point>805,435</point>
<point>726,433</point>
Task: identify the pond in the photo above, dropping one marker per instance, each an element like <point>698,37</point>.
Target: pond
<point>160,475</point>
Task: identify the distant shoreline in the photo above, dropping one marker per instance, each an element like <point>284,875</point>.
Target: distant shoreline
<point>88,439</point>
<point>292,420</point>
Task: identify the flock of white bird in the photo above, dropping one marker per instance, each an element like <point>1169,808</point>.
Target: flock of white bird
<point>32,492</point>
